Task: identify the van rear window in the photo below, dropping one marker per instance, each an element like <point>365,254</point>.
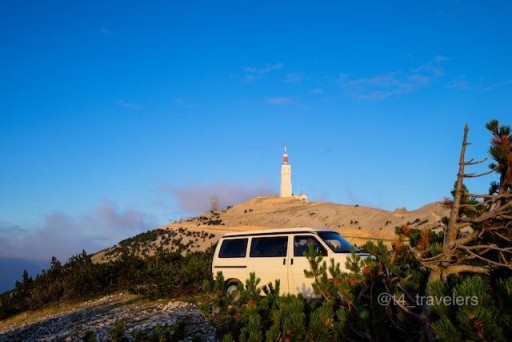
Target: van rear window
<point>269,246</point>
<point>235,248</point>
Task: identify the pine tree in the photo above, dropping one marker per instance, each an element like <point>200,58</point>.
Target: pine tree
<point>469,311</point>
<point>487,217</point>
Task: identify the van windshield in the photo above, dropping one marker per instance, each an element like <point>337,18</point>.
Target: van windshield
<point>337,243</point>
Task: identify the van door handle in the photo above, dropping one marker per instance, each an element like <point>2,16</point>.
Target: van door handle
<point>291,262</point>
<point>284,261</point>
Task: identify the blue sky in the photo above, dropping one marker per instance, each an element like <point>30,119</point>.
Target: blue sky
<point>116,117</point>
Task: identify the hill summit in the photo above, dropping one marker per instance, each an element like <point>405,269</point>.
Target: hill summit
<point>355,222</point>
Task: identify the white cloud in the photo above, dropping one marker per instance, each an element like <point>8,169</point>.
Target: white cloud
<point>461,84</point>
<point>264,69</point>
<point>393,83</point>
<point>282,101</point>
<point>429,69</point>
<point>126,104</point>
<point>293,78</point>
<point>505,83</point>
<point>255,73</point>
<point>441,58</point>
<point>197,198</point>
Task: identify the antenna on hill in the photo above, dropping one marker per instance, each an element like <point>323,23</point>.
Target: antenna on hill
<point>214,203</point>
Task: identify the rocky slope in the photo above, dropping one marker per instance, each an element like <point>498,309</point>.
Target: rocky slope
<point>72,322</point>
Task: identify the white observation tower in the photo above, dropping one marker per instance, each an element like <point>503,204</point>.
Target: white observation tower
<point>286,176</point>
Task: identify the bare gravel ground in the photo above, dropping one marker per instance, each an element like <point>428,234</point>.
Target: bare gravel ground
<point>72,322</point>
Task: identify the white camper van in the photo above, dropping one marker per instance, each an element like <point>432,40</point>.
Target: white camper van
<point>277,254</point>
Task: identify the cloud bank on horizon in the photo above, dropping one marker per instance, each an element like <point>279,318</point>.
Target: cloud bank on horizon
<point>62,234</point>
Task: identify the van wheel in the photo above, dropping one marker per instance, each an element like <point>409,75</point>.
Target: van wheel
<point>232,289</point>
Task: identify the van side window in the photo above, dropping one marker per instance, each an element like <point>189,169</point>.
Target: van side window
<point>269,246</point>
<point>235,248</point>
<point>301,243</point>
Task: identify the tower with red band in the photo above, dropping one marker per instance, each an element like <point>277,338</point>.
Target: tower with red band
<point>286,176</point>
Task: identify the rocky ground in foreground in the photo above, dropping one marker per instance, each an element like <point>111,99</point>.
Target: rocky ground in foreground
<point>98,317</point>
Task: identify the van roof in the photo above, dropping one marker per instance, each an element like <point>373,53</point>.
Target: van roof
<point>273,231</point>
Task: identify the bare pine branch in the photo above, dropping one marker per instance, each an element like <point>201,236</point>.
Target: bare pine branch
<point>471,162</point>
<point>491,214</point>
<point>466,268</point>
<point>489,261</point>
<point>488,196</point>
<point>502,237</point>
<point>475,175</point>
<point>451,232</point>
